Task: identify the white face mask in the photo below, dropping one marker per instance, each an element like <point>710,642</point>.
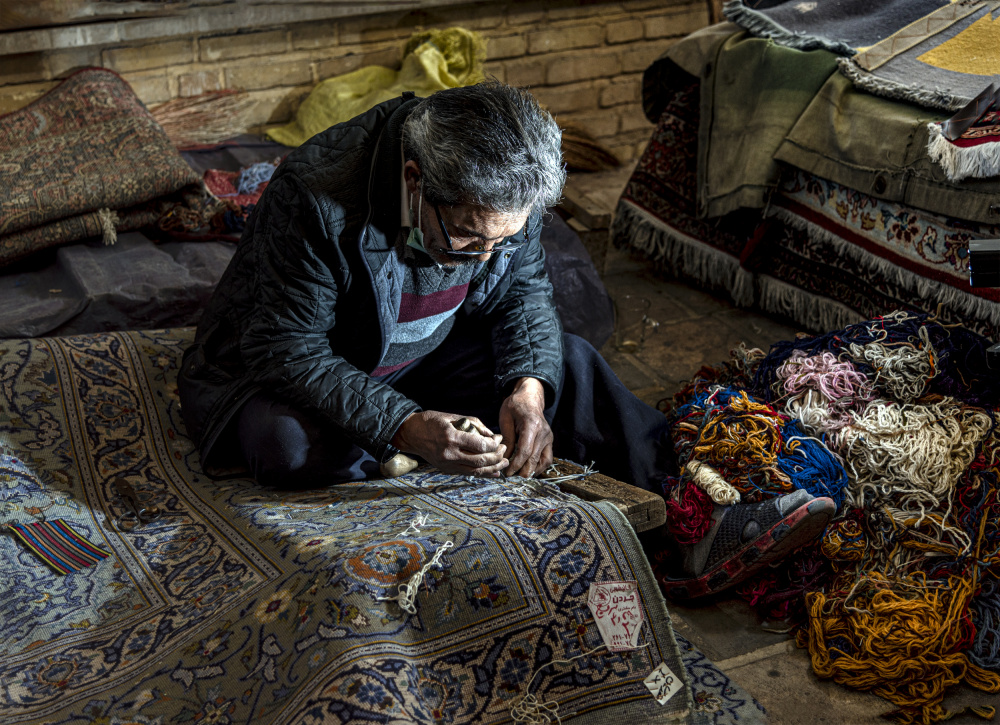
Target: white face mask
<point>416,237</point>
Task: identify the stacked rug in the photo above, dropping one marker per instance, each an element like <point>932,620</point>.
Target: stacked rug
<point>657,212</point>
<point>935,53</point>
<point>826,248</point>
<point>895,419</point>
<point>135,589</point>
<point>85,160</point>
<point>870,255</point>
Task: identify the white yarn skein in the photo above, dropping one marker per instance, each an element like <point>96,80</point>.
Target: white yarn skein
<point>709,481</point>
<point>910,452</point>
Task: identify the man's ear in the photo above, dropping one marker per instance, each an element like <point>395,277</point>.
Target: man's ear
<point>411,175</point>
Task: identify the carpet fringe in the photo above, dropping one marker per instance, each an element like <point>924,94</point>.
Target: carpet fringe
<point>810,310</point>
<point>964,305</point>
<point>961,162</point>
<point>758,24</point>
<point>897,91</point>
<point>679,254</point>
<point>108,219</point>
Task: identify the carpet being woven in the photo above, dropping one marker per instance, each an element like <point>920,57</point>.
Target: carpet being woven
<point>240,604</point>
<point>84,160</point>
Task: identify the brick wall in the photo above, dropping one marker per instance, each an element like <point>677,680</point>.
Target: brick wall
<point>583,60</point>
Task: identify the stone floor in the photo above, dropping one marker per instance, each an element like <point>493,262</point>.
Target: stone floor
<point>694,329</point>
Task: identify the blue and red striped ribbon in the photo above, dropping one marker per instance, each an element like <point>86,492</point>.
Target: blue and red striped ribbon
<point>59,545</point>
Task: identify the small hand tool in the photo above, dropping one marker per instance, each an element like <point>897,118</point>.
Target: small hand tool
<point>136,514</point>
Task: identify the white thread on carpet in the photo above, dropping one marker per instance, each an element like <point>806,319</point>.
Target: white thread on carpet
<point>407,596</point>
<point>414,527</point>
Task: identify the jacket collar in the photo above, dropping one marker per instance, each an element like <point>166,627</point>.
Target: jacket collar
<point>387,171</point>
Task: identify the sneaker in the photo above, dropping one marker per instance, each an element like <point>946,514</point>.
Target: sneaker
<point>745,538</point>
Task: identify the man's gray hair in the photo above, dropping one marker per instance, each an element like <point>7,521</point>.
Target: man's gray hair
<point>490,145</point>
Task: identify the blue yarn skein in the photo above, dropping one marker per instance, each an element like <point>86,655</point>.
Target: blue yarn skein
<point>253,176</point>
<point>811,466</point>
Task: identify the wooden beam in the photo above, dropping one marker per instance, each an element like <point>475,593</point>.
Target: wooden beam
<point>25,28</point>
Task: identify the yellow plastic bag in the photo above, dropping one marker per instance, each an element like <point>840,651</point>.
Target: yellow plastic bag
<point>432,60</point>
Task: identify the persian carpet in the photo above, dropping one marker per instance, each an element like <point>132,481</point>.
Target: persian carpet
<point>244,604</point>
<point>849,256</point>
<point>717,699</point>
<point>84,160</point>
<point>657,213</point>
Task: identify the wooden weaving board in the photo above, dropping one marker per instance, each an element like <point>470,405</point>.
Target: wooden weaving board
<point>644,509</point>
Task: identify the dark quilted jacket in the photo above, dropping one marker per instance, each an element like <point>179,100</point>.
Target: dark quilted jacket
<point>306,307</point>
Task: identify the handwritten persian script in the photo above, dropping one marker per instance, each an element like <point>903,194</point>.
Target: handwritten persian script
<point>617,610</point>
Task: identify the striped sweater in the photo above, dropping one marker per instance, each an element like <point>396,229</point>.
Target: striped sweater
<point>431,297</point>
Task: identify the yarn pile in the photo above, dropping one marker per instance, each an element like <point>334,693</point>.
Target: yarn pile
<point>895,420</point>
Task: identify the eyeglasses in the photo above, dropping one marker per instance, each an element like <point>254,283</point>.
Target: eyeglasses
<point>480,249</point>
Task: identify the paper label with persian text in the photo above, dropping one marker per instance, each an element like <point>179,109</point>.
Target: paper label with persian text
<point>617,610</point>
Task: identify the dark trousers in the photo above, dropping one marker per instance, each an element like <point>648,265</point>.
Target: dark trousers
<point>593,417</point>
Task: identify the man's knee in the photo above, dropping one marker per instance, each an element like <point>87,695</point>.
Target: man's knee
<point>274,441</point>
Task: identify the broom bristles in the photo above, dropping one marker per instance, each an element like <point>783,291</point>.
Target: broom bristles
<point>207,118</point>
<point>582,152</point>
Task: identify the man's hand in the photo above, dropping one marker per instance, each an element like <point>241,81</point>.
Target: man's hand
<point>525,431</point>
<point>432,436</point>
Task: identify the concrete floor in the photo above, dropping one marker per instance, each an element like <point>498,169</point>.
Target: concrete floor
<point>695,329</point>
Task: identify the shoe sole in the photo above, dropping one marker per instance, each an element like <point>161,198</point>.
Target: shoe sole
<point>798,528</point>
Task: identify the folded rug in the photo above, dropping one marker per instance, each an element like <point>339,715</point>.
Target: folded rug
<point>837,247</point>
<point>968,144</point>
<point>84,160</point>
<point>936,53</point>
<point>842,27</point>
<point>941,61</point>
<point>751,96</point>
<point>657,213</point>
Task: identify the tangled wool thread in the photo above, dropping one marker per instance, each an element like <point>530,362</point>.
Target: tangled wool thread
<point>919,450</point>
<point>895,419</point>
<point>900,639</point>
<point>408,592</point>
<point>822,390</point>
<point>810,465</point>
<point>902,369</point>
